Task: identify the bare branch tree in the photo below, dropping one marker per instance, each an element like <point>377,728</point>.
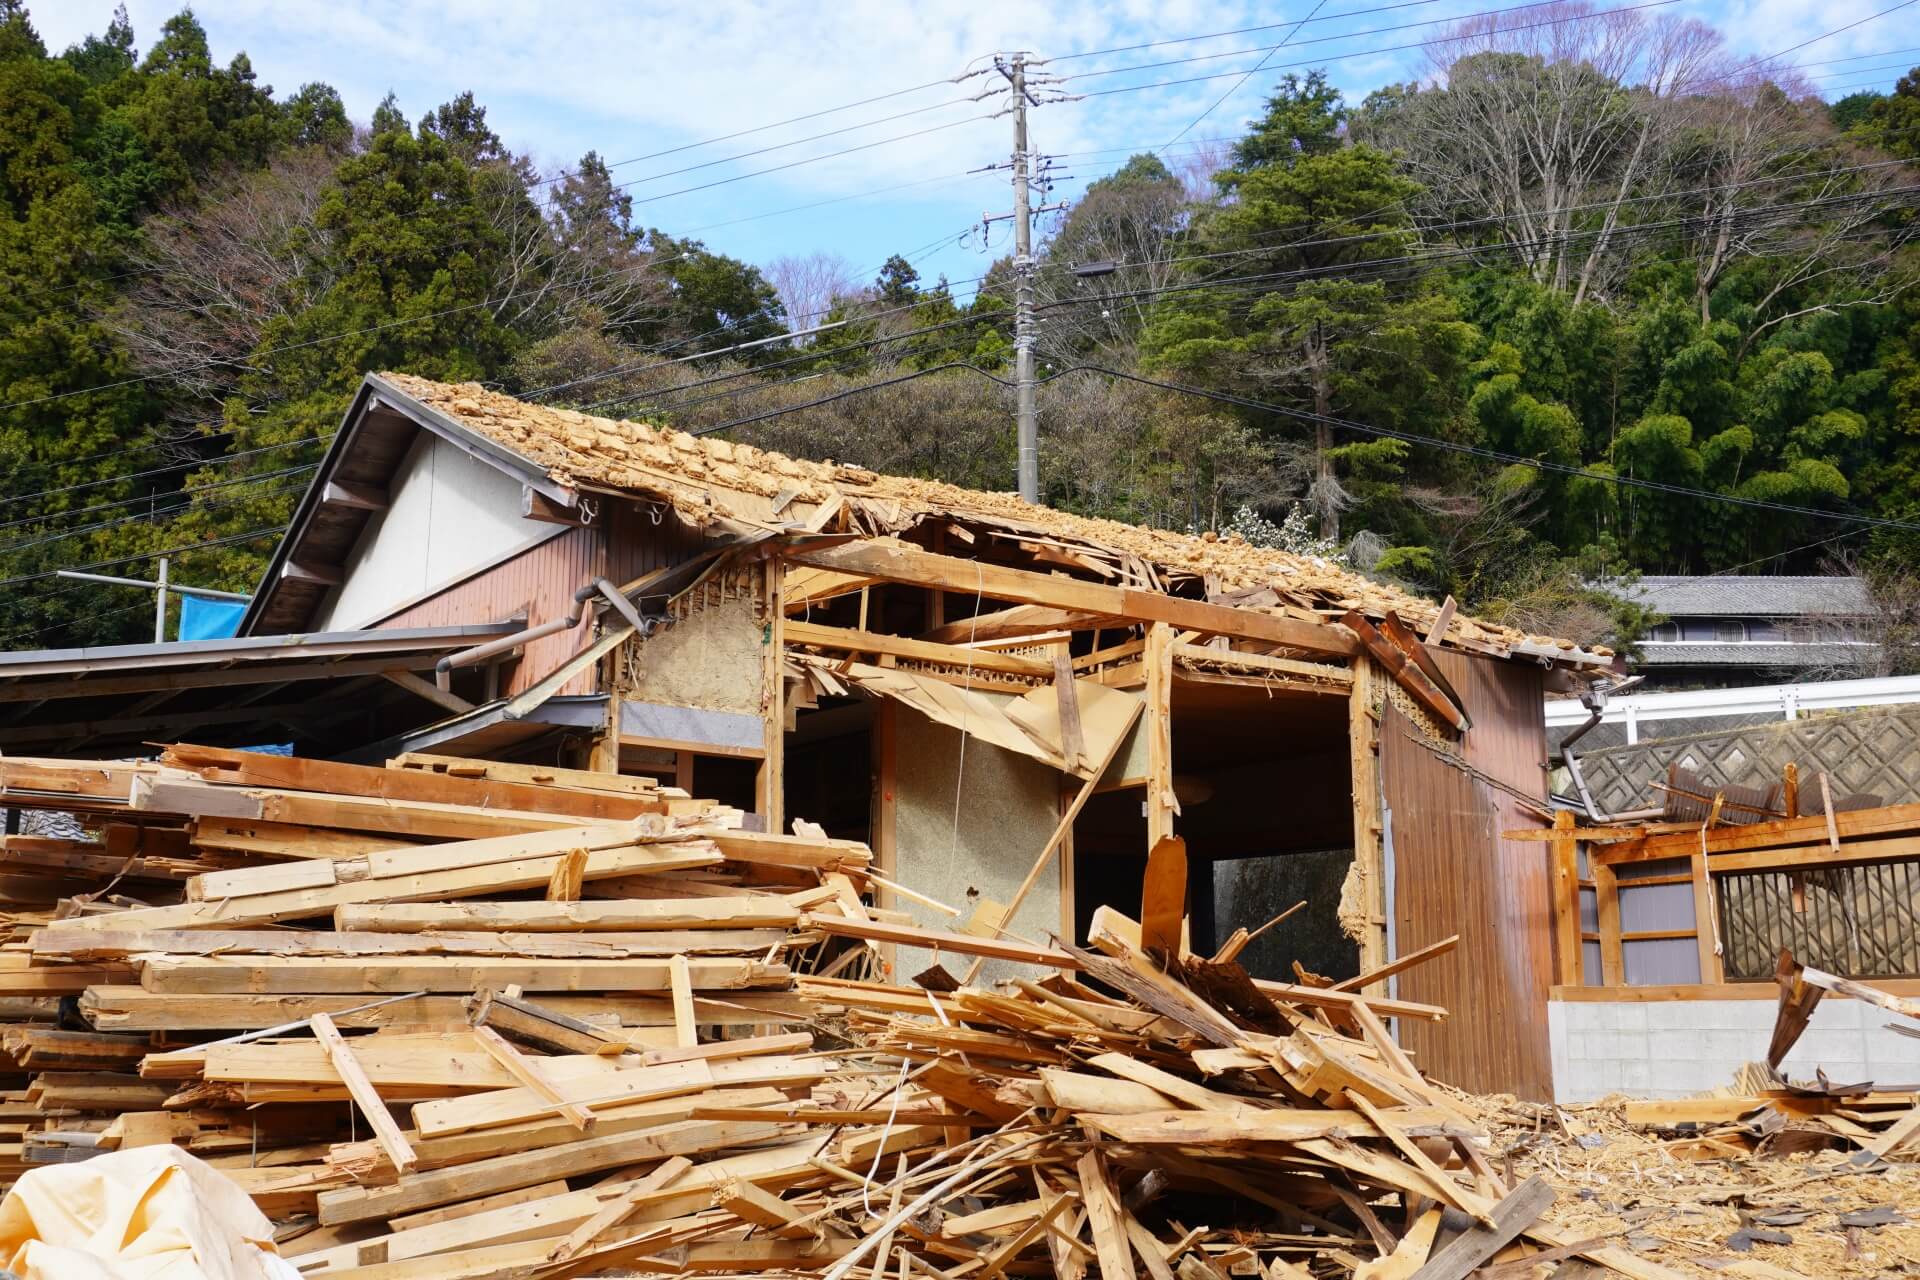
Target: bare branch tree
<point>212,273</point>
<point>808,284</point>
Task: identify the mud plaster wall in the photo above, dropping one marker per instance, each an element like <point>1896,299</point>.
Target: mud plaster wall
<point>710,658</point>
<point>1009,805</point>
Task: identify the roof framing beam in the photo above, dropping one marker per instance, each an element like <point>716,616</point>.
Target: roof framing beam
<point>893,561</point>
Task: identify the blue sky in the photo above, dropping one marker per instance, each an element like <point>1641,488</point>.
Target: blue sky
<point>644,84</point>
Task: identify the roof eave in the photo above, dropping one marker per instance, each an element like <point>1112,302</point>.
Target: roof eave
<point>375,389</point>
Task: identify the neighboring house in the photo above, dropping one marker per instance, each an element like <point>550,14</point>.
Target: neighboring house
<point>1722,630</point>
<point>894,660</point>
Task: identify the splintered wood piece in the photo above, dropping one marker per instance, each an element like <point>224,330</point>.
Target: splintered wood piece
<point>1404,963</point>
<point>619,1210</point>
<point>1073,740</point>
<point>1409,1255</point>
<point>1163,897</point>
<point>1147,1246</point>
<point>996,1262</point>
<point>542,1028</point>
<point>527,1071</point>
<point>392,1140</point>
<point>568,875</point>
<point>1458,1258</point>
<point>1103,1217</point>
<point>750,1203</point>
<point>686,1032</point>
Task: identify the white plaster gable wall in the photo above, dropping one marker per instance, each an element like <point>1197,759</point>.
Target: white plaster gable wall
<point>448,515</point>
<point>1678,1048</point>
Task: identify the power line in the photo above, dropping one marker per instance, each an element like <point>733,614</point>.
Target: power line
<point>1361,53</point>
<point>251,534</point>
<point>1241,82</point>
<point>1451,446</point>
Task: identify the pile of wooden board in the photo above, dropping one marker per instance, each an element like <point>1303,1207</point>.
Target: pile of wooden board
<point>263,903</point>
<point>456,1022</point>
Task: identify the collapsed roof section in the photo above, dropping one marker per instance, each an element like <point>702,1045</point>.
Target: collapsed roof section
<point>567,461</point>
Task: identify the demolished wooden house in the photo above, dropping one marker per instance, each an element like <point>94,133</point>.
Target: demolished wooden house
<point>892,659</point>
<point>1668,926</point>
<point>587,1025</point>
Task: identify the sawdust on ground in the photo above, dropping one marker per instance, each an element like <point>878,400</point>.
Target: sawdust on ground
<point>1638,1189</point>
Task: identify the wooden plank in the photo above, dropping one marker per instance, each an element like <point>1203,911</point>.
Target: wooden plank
<point>735,911</point>
<point>1161,803</point>
<point>1163,903</point>
<point>1369,838</point>
<point>269,908</point>
<point>814,635</point>
<point>528,1072</point>
<point>769,781</point>
<point>1406,673</point>
<point>619,1209</point>
<point>1103,1217</point>
<point>116,1007</point>
<point>1252,1125</point>
<point>329,778</point>
<point>938,940</point>
<point>1459,1257</point>
<point>680,976</point>
<point>427,1188</point>
<point>1569,968</point>
<point>1412,959</point>
<point>1607,898</point>
<point>104,944</point>
<point>365,1096</point>
<point>1073,739</point>
<point>215,975</point>
<point>891,561</point>
<point>1008,624</point>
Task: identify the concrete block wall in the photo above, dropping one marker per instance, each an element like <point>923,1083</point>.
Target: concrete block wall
<point>1677,1048</point>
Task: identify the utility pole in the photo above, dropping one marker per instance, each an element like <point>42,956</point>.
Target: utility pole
<point>1027,429</point>
<point>1028,425</point>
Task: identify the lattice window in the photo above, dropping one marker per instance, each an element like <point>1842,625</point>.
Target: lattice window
<point>1857,921</point>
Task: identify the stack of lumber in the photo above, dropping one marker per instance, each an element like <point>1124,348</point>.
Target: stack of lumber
<point>185,975</point>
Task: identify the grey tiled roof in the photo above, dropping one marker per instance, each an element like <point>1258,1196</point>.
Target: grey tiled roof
<point>1749,597</point>
<point>1749,655</point>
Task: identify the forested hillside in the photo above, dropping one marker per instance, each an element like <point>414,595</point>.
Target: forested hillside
<point>1432,331</point>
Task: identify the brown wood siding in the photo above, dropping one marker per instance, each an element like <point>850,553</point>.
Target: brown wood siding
<point>636,545</point>
<point>1453,874</point>
<point>538,583</point>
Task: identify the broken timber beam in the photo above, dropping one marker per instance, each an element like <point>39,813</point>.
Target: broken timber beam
<point>901,562</point>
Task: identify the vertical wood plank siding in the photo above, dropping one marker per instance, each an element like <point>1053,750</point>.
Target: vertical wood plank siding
<point>1453,874</point>
<point>539,582</point>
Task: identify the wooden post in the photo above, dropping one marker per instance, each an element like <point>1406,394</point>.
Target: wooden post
<point>1566,902</point>
<point>1158,661</point>
<point>885,814</point>
<point>605,757</point>
<point>1606,893</point>
<point>770,781</point>
<point>1369,850</point>
<point>1790,789</point>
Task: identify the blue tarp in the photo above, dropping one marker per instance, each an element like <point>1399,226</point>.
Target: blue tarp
<point>204,619</point>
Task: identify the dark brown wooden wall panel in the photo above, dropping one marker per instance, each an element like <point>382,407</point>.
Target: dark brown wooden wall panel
<point>1453,874</point>
<point>539,583</point>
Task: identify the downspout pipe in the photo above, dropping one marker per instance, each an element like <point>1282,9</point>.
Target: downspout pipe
<point>443,669</point>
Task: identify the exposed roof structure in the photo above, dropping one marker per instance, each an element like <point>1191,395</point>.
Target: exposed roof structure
<point>1721,595</point>
<point>568,458</point>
